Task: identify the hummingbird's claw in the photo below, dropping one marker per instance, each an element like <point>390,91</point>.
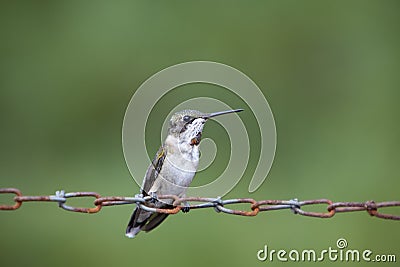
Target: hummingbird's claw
<point>154,197</point>
<point>186,207</point>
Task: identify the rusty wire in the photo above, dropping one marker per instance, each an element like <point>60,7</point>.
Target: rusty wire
<point>218,204</point>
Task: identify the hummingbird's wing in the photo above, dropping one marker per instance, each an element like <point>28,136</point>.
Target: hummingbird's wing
<point>145,220</point>
<point>153,170</point>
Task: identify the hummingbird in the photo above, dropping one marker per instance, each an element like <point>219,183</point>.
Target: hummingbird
<point>173,167</point>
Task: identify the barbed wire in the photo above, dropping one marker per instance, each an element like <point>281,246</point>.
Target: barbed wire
<point>218,204</point>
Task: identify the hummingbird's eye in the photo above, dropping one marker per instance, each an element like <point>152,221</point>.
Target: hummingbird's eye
<point>187,118</point>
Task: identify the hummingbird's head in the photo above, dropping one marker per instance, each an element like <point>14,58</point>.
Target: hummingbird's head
<point>187,125</point>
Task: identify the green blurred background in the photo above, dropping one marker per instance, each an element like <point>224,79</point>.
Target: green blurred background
<point>329,69</point>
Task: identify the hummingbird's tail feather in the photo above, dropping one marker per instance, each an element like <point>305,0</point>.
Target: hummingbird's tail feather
<point>134,225</point>
<point>154,221</point>
<point>142,220</point>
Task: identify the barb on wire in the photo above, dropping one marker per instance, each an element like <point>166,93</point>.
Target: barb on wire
<point>218,204</point>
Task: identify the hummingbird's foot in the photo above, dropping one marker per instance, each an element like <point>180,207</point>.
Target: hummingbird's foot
<point>186,207</point>
<point>154,197</point>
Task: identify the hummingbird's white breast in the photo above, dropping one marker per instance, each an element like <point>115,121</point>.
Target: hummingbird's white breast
<point>179,167</point>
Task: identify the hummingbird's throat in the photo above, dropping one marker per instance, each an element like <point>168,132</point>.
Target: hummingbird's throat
<point>196,140</point>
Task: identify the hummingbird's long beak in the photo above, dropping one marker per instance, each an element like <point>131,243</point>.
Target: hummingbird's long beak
<point>221,113</point>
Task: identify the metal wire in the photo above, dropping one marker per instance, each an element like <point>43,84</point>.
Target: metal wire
<point>254,208</point>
